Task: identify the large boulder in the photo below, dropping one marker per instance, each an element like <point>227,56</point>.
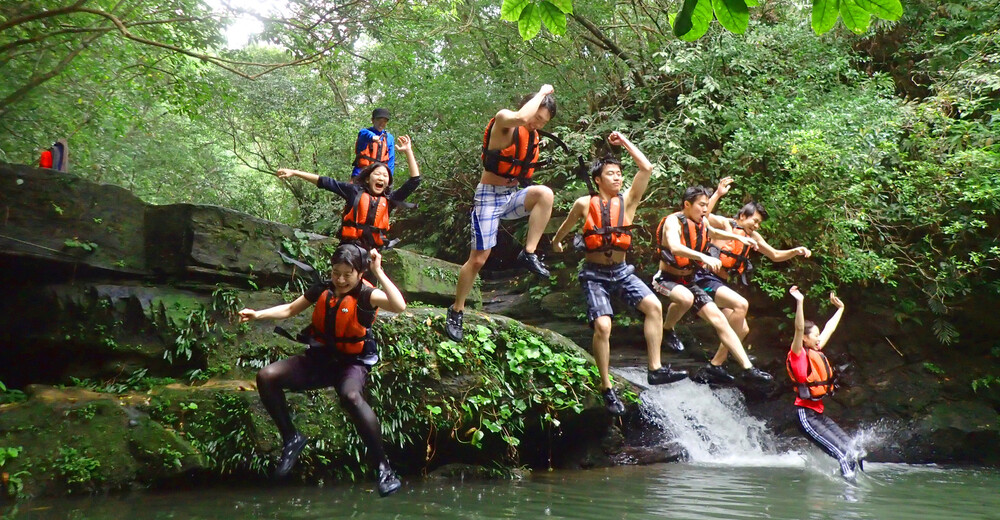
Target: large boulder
<point>425,279</point>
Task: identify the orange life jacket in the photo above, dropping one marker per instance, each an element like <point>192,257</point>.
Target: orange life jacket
<point>694,235</point>
<point>376,151</point>
<point>45,161</point>
<point>517,161</point>
<point>819,376</point>
<point>340,322</point>
<point>605,229</point>
<point>366,220</point>
<point>735,255</point>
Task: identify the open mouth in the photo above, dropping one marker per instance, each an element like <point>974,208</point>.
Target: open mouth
<point>379,185</point>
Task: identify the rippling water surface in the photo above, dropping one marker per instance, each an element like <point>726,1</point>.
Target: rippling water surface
<point>675,491</point>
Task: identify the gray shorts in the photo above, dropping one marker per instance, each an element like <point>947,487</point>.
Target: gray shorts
<point>600,282</point>
<point>663,283</point>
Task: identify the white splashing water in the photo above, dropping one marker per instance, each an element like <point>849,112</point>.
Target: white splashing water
<point>712,425</point>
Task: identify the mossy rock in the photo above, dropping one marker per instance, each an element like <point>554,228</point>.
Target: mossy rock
<point>425,279</point>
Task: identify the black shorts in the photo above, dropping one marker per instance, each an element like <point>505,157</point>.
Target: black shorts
<point>600,282</point>
<point>708,281</point>
<point>663,283</point>
<point>317,368</point>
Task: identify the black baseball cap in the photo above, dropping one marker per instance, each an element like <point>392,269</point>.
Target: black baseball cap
<point>380,112</point>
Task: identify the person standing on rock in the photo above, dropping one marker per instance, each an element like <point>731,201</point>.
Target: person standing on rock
<point>341,353</point>
<point>735,258</point>
<point>369,199</point>
<point>683,239</point>
<point>606,238</point>
<point>812,380</point>
<point>509,157</point>
<point>375,144</point>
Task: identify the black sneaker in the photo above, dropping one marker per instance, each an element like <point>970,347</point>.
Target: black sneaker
<point>714,375</point>
<point>289,454</point>
<point>756,374</point>
<point>531,262</point>
<point>611,402</point>
<point>453,325</point>
<point>388,482</point>
<point>672,342</point>
<point>664,375</point>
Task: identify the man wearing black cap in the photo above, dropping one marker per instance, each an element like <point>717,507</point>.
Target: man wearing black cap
<point>375,144</point>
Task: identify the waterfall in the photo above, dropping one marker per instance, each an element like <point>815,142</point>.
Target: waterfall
<point>713,425</point>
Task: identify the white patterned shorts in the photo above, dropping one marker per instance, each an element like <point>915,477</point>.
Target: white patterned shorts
<point>493,203</point>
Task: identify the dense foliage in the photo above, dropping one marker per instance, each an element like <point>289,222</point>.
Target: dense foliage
<point>878,151</point>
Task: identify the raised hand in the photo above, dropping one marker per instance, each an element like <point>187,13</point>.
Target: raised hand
<point>376,261</point>
<point>724,185</point>
<point>546,89</point>
<point>794,291</point>
<point>617,139</point>
<point>403,143</point>
<point>836,301</point>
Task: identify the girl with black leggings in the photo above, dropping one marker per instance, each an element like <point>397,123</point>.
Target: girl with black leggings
<point>341,352</point>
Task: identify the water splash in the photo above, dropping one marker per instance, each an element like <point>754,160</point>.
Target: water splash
<point>712,425</point>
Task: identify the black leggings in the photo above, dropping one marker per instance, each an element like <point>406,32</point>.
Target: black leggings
<point>305,372</point>
<point>827,435</point>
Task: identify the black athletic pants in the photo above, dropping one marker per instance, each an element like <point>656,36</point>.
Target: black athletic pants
<point>827,435</point>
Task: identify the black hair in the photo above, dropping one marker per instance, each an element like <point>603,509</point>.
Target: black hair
<point>361,178</point>
<point>597,166</point>
<point>353,255</point>
<point>809,324</point>
<point>753,207</point>
<point>691,194</point>
<point>548,103</point>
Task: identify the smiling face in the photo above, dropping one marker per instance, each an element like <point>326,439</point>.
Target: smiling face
<point>609,182</point>
<point>537,121</point>
<point>378,180</point>
<point>344,278</point>
<point>380,123</point>
<point>811,337</point>
<point>751,223</point>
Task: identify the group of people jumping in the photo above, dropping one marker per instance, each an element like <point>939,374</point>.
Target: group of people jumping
<point>700,254</point>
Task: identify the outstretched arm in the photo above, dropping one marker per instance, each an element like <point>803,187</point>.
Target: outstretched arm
<point>389,297</point>
<point>800,320</point>
<point>714,232</point>
<point>779,255</point>
<point>720,191</point>
<point>405,145</point>
<point>575,214</point>
<point>641,180</point>
<point>507,119</point>
<point>287,173</point>
<point>831,324</point>
<point>278,312</point>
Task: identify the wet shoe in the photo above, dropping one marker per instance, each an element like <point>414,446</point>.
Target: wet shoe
<point>713,375</point>
<point>289,454</point>
<point>388,482</point>
<point>756,374</point>
<point>453,325</point>
<point>672,342</point>
<point>531,262</point>
<point>612,403</point>
<point>664,375</point>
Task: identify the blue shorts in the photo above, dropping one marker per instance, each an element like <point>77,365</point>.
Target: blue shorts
<point>493,203</point>
<point>708,281</point>
<point>664,283</point>
<point>600,282</point>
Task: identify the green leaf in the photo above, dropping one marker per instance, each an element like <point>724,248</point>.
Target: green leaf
<point>683,22</point>
<point>824,15</point>
<point>511,9</point>
<point>752,3</point>
<point>553,17</point>
<point>884,9</point>
<point>855,18</point>
<point>529,23</point>
<point>701,15</point>
<point>732,14</point>
<point>566,6</point>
